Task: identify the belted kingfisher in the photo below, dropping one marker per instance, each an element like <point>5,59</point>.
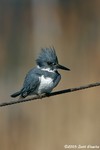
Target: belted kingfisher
<point>43,78</point>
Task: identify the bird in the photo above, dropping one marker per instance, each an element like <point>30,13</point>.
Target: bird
<point>43,78</point>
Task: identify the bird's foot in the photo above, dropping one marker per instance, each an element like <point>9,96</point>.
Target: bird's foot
<point>47,94</point>
<point>41,95</point>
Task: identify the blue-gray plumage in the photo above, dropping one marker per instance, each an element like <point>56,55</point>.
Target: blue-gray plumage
<point>44,77</point>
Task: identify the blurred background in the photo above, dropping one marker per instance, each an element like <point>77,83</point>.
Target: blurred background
<point>73,28</point>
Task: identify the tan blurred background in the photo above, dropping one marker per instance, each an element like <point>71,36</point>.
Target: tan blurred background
<point>73,28</point>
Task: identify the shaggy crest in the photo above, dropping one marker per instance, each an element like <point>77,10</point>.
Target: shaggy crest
<point>47,55</point>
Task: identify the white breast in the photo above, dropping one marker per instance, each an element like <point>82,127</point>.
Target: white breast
<point>45,84</point>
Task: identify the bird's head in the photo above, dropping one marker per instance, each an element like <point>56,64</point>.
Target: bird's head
<point>48,60</point>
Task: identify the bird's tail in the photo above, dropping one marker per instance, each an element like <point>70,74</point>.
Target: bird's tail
<point>16,94</point>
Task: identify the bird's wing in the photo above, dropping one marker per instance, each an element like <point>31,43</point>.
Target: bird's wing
<point>30,84</point>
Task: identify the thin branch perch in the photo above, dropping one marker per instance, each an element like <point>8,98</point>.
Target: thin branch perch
<point>51,94</point>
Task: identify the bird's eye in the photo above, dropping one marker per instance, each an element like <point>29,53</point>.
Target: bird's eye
<point>49,63</point>
<point>54,63</point>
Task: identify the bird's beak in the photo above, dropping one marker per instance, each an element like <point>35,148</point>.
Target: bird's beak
<point>62,67</point>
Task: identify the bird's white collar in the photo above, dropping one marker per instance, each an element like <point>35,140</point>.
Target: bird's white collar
<point>46,69</point>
